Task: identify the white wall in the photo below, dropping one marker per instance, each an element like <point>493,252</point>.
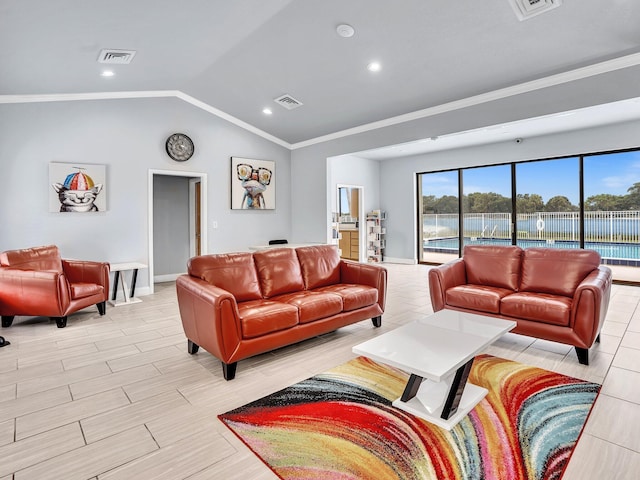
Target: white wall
<point>397,177</point>
<point>127,136</point>
<point>351,170</point>
<point>398,190</point>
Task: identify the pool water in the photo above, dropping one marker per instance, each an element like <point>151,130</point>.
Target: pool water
<point>612,253</point>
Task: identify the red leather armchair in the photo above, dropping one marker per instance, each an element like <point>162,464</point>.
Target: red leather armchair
<point>37,282</point>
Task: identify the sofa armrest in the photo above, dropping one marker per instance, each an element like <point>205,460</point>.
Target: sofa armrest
<point>33,292</point>
<point>365,274</point>
<point>83,271</point>
<point>209,316</point>
<point>444,277</point>
<point>590,304</point>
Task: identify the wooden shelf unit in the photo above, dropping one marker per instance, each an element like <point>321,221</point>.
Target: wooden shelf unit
<point>376,233</point>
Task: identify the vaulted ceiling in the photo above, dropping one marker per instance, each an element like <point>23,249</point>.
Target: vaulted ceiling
<point>237,56</point>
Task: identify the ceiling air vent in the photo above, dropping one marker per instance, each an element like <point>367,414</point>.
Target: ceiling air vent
<point>530,8</point>
<point>120,57</point>
<point>288,102</point>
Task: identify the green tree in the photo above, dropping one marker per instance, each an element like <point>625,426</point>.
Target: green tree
<point>490,202</point>
<point>605,202</point>
<point>446,204</point>
<point>632,199</point>
<point>560,203</point>
<point>428,203</point>
<point>529,203</point>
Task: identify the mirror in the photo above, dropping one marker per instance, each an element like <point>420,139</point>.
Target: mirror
<point>348,203</point>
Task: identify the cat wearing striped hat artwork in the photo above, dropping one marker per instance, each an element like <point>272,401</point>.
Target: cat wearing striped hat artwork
<point>78,192</point>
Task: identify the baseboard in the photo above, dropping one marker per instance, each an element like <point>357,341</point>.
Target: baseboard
<point>170,277</point>
<point>140,292</point>
<point>404,261</point>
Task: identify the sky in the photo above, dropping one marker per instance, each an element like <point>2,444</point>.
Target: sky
<point>611,173</point>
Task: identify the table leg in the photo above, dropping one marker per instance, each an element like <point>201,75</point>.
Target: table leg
<point>115,285</point>
<point>125,289</point>
<point>456,390</point>
<point>412,387</point>
<point>134,277</point>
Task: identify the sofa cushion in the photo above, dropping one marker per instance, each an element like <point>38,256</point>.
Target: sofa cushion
<point>353,296</point>
<point>539,307</point>
<point>476,297</point>
<point>36,258</point>
<point>233,272</point>
<point>320,265</point>
<point>278,271</point>
<point>260,317</point>
<point>494,266</point>
<point>312,305</point>
<point>555,270</point>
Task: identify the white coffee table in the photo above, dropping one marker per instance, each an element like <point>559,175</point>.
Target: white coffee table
<point>438,349</point>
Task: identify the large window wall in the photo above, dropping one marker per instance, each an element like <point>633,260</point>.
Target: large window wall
<point>585,201</point>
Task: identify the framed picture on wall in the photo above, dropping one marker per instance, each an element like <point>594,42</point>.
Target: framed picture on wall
<point>253,184</point>
<point>77,188</point>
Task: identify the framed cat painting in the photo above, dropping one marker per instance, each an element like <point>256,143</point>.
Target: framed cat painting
<point>77,188</point>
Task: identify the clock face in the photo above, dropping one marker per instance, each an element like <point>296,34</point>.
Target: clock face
<point>179,147</point>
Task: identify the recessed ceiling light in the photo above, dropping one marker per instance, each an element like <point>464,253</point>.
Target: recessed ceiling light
<point>107,73</point>
<point>267,111</point>
<point>345,30</point>
<point>374,67</point>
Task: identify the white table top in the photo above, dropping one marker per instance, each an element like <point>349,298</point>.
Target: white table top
<point>437,345</point>
<point>118,267</point>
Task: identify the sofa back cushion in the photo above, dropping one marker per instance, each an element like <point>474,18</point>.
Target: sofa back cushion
<point>233,272</point>
<point>320,265</point>
<point>278,271</point>
<point>36,258</point>
<point>494,266</point>
<point>557,271</point>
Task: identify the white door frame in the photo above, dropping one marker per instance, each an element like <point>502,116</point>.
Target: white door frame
<point>203,213</point>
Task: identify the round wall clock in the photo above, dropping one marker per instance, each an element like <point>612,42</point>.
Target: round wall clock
<point>179,147</point>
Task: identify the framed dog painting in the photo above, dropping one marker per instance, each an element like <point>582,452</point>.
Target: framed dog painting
<point>253,184</point>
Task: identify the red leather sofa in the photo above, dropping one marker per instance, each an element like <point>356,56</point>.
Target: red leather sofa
<point>238,305</point>
<point>37,282</point>
<point>554,294</point>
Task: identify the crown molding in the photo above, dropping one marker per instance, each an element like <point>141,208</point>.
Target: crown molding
<point>73,97</point>
<point>550,81</point>
<point>230,118</point>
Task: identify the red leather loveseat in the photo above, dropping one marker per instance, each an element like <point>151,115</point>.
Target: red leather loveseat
<point>555,294</point>
<point>238,305</point>
<point>37,282</point>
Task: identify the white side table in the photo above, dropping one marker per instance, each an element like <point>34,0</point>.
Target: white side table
<point>129,295</point>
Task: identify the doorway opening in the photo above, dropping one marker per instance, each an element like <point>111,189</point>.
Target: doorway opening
<point>165,214</point>
<point>350,208</point>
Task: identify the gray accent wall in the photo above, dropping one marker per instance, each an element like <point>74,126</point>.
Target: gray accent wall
<point>170,225</point>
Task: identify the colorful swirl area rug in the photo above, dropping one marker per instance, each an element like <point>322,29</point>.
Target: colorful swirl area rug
<point>340,425</point>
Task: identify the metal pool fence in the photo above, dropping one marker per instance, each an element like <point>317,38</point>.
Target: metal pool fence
<point>616,235</point>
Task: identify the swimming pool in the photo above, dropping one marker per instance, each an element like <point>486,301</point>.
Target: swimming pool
<point>626,254</point>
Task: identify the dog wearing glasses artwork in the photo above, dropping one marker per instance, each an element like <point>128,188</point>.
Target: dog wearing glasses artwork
<point>254,181</point>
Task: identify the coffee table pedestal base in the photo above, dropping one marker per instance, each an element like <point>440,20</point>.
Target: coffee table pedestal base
<point>431,393</point>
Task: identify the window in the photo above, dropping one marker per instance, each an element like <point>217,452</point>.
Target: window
<point>588,201</point>
<point>486,205</point>
<point>548,203</point>
<point>438,224</point>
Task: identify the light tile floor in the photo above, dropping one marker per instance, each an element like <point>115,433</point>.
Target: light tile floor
<point>119,397</point>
